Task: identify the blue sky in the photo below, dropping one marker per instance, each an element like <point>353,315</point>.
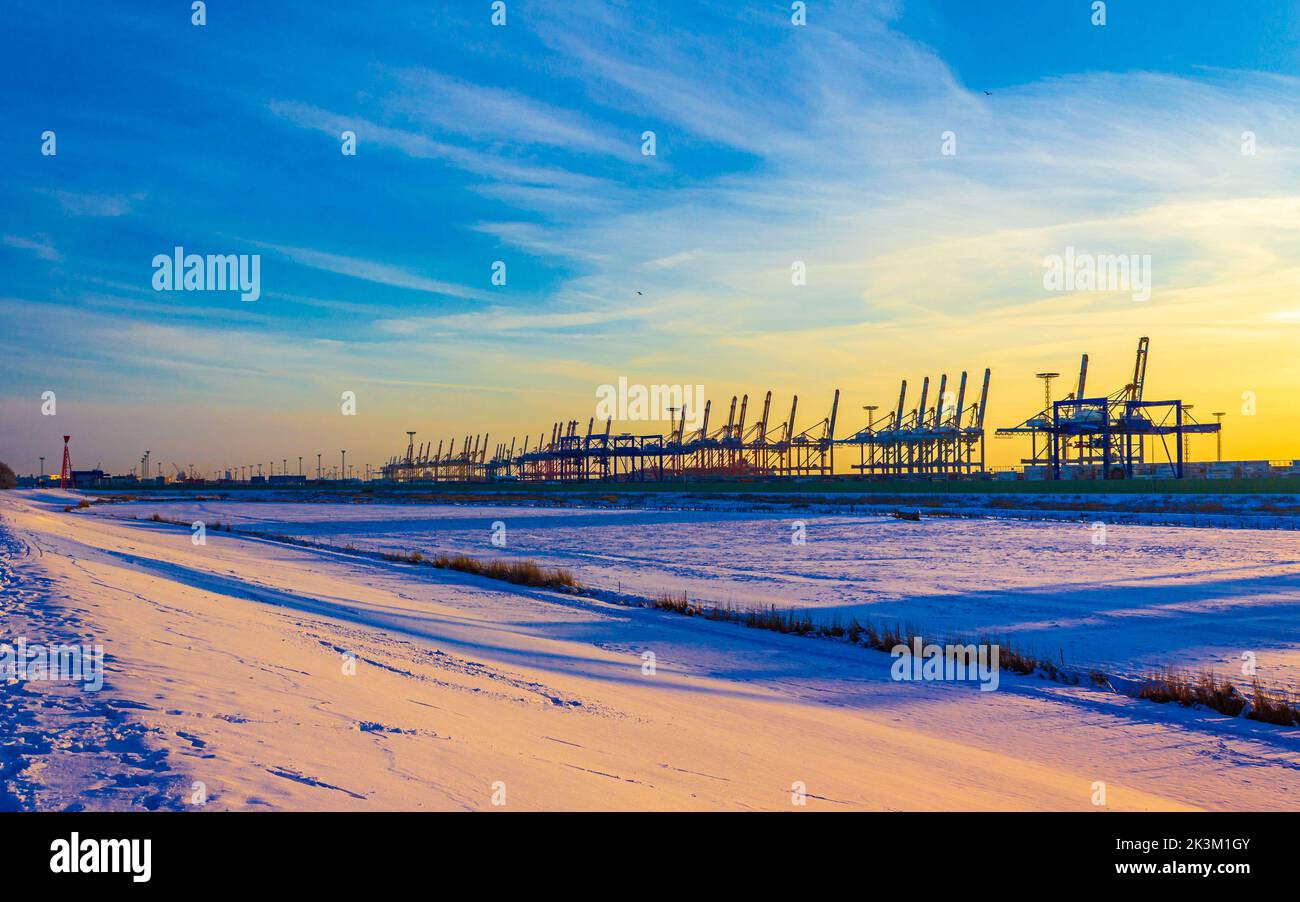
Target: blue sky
<point>522,143</point>
<point>991,45</point>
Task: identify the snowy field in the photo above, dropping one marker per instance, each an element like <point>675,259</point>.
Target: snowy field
<point>249,674</point>
<point>1133,597</point>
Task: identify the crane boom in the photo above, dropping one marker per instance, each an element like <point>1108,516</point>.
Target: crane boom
<point>902,397</point>
<point>1140,368</point>
<point>984,399</point>
<point>961,400</point>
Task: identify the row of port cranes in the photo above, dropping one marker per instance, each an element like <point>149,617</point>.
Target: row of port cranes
<point>1109,436</point>
<point>943,440</point>
<point>736,448</point>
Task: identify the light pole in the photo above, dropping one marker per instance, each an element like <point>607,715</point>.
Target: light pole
<point>1047,389</point>
<point>871,418</point>
<point>299,464</point>
<point>1218,435</point>
<point>871,415</point>
<point>41,475</point>
<point>343,472</point>
<point>318,468</point>
<point>1047,412</point>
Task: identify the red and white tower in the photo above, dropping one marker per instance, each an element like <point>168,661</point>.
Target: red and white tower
<point>65,478</point>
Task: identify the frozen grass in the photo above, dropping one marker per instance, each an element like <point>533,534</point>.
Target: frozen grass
<point>1269,706</point>
<point>1194,689</point>
<point>215,527</point>
<point>881,637</point>
<point>1263,704</point>
<point>1170,685</point>
<point>523,573</point>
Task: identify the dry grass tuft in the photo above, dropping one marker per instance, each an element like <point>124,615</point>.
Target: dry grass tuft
<point>1205,689</point>
<point>1269,707</point>
<point>678,604</point>
<point>522,573</point>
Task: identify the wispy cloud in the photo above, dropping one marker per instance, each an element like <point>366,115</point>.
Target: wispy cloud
<point>373,271</point>
<point>851,182</point>
<point>75,203</point>
<point>421,146</point>
<point>454,106</point>
<point>39,246</point>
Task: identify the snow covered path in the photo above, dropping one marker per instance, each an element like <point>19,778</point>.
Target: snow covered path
<point>232,660</point>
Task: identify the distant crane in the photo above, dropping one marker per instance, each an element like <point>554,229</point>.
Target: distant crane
<point>1111,436</point>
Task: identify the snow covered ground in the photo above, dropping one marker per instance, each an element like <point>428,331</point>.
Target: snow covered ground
<point>249,674</point>
<point>1131,597</point>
